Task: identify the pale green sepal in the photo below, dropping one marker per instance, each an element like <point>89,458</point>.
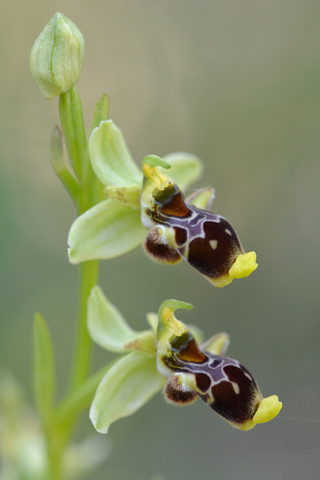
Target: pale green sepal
<point>217,345</point>
<point>56,57</point>
<point>101,111</point>
<point>126,387</point>
<point>110,157</point>
<point>107,230</point>
<point>201,198</point>
<point>185,168</point>
<point>127,195</point>
<point>43,369</point>
<point>106,325</point>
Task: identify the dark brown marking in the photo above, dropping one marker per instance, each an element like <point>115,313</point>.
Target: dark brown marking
<point>181,235</point>
<point>214,262</point>
<point>236,407</point>
<point>203,381</point>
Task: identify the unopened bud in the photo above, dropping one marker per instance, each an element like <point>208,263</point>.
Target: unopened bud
<point>56,57</point>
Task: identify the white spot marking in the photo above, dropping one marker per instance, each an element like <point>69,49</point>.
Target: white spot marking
<point>213,244</point>
<point>228,232</point>
<point>235,387</point>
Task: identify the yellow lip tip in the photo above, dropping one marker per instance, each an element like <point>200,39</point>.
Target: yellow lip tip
<point>244,265</point>
<point>268,409</point>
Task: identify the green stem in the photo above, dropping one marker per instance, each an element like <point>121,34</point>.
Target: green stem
<point>88,279</point>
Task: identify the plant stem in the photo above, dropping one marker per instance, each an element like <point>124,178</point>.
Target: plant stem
<point>88,278</point>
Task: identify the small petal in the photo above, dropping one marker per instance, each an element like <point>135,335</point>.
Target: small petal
<point>127,195</point>
<point>107,230</point>
<point>110,157</point>
<point>185,168</point>
<point>217,345</point>
<point>127,386</point>
<point>201,198</point>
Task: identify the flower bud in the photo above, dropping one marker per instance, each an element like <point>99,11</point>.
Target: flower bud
<point>56,57</point>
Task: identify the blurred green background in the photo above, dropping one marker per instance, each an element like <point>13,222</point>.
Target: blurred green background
<point>238,84</point>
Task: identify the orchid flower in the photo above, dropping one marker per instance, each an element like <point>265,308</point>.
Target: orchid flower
<point>148,207</point>
<point>168,356</point>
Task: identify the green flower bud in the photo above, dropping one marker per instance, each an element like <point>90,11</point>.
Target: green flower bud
<point>56,57</point>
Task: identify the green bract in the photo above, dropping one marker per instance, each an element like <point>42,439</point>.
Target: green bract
<point>113,226</point>
<point>56,57</point>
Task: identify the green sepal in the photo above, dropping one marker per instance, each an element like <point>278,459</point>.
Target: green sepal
<point>201,198</point>
<point>43,369</point>
<point>185,168</point>
<point>107,230</point>
<point>217,345</point>
<point>126,387</point>
<point>110,157</point>
<point>101,111</point>
<point>106,325</point>
<point>127,195</point>
<point>108,328</point>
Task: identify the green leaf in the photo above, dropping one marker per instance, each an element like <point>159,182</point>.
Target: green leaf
<point>44,370</point>
<point>101,111</point>
<point>127,386</point>
<point>60,166</point>
<point>110,157</point>
<point>185,168</point>
<point>72,122</point>
<point>107,230</point>
<point>82,397</point>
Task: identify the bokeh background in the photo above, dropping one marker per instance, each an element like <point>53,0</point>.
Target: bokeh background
<point>238,84</point>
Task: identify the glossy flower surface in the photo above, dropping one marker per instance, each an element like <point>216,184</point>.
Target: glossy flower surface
<point>168,356</point>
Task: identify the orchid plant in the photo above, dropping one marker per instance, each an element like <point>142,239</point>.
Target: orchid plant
<point>120,207</point>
